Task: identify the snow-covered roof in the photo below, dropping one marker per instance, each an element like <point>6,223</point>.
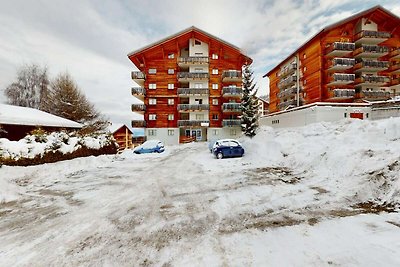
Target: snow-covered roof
<point>115,127</point>
<point>15,115</point>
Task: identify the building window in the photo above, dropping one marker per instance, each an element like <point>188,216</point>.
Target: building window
<point>233,131</point>
<point>215,86</point>
<point>366,115</point>
<point>215,117</point>
<point>152,101</point>
<point>215,71</point>
<point>152,71</point>
<point>304,69</point>
<point>215,132</point>
<point>199,117</point>
<point>197,42</point>
<point>170,101</point>
<point>170,86</point>
<point>171,55</point>
<point>152,132</point>
<point>171,71</point>
<point>152,117</point>
<point>305,82</point>
<point>171,132</point>
<point>214,56</point>
<point>198,70</point>
<point>304,56</point>
<point>152,86</point>
<point>170,117</point>
<point>215,101</point>
<point>345,115</point>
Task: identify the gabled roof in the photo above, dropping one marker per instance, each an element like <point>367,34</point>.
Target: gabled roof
<point>15,115</point>
<point>116,126</point>
<point>337,24</point>
<point>183,32</point>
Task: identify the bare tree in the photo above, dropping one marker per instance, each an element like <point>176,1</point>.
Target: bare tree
<point>30,89</point>
<point>66,100</point>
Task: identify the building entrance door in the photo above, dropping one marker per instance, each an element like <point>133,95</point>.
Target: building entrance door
<point>197,134</point>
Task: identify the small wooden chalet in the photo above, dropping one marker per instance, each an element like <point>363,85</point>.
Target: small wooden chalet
<point>122,134</point>
<point>17,122</point>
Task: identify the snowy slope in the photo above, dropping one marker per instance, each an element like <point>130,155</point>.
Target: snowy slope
<point>310,196</point>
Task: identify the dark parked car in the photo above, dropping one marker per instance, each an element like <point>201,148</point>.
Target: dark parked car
<point>150,146</point>
<point>227,148</point>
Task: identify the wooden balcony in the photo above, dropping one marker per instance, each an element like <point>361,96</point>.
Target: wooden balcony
<point>192,91</point>
<point>395,54</point>
<point>371,65</point>
<point>139,77</point>
<point>376,95</point>
<point>286,82</point>
<point>188,61</point>
<point>339,64</point>
<point>190,123</point>
<point>231,76</point>
<point>343,93</point>
<point>371,37</point>
<point>139,92</point>
<point>372,81</point>
<point>139,108</point>
<point>371,51</point>
<point>340,49</point>
<point>341,79</point>
<point>290,68</point>
<point>191,76</point>
<point>232,91</point>
<point>138,124</point>
<point>231,107</point>
<point>193,107</point>
<point>289,92</point>
<point>231,123</point>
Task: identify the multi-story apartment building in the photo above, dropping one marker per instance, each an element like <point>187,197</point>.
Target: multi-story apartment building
<point>191,87</point>
<point>352,60</point>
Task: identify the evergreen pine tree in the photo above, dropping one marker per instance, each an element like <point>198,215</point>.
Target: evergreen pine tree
<point>249,118</point>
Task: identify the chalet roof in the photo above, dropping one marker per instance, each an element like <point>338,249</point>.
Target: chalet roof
<point>336,24</point>
<point>15,115</point>
<point>178,34</point>
<point>116,126</point>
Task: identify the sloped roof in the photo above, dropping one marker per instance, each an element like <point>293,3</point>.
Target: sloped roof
<point>116,126</point>
<point>336,24</point>
<point>180,33</point>
<point>15,115</point>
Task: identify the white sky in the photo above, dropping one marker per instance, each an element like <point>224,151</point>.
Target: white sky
<point>91,39</point>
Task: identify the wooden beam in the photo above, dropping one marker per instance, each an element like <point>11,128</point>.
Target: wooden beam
<point>395,28</point>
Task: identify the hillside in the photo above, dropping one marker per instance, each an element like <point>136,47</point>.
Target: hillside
<point>323,195</point>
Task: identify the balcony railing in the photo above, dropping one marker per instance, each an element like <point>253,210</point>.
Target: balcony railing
<point>138,75</point>
<point>193,91</point>
<point>371,65</point>
<point>232,107</point>
<point>290,80</point>
<point>192,60</point>
<point>138,107</point>
<point>231,75</point>
<point>233,91</point>
<point>376,94</point>
<point>344,93</point>
<point>373,79</point>
<point>373,37</point>
<point>138,91</point>
<point>395,54</point>
<point>289,92</point>
<point>183,123</point>
<point>138,124</point>
<point>287,69</point>
<point>371,51</point>
<point>194,107</point>
<point>342,63</point>
<point>341,78</point>
<point>340,49</point>
<point>230,123</point>
<point>292,102</point>
<point>192,75</point>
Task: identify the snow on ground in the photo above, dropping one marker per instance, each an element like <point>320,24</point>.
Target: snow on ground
<point>299,197</point>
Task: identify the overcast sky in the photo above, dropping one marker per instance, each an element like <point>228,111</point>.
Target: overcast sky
<point>91,39</point>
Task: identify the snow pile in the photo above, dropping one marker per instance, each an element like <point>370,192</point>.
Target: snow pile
<point>35,145</point>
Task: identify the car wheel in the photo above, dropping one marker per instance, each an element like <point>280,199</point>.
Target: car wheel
<point>220,155</point>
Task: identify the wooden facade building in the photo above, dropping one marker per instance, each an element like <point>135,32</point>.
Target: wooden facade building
<point>122,135</point>
<point>191,85</point>
<point>353,60</point>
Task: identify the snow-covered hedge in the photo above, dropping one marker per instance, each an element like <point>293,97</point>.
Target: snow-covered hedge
<point>40,147</point>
